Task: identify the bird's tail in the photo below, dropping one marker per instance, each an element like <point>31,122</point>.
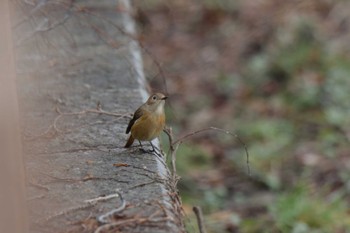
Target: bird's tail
<point>130,141</point>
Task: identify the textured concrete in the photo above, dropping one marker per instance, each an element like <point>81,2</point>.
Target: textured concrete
<point>74,56</point>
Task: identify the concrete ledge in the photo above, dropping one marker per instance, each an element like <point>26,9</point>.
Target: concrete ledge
<point>80,58</point>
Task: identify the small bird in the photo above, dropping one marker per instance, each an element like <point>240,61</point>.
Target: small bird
<point>148,121</point>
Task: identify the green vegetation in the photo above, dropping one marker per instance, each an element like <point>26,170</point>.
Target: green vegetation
<point>302,210</point>
<point>280,80</point>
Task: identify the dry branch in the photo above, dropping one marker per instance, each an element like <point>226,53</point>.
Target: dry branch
<point>198,211</point>
<point>105,218</point>
<point>54,125</point>
<point>174,144</point>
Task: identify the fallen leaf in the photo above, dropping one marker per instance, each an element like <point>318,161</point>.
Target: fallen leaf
<point>121,165</point>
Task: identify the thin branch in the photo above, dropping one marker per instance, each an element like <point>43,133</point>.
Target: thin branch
<point>39,186</point>
<point>67,211</point>
<point>103,198</point>
<point>45,25</point>
<point>136,220</point>
<point>61,114</point>
<point>172,150</point>
<point>187,136</point>
<point>158,65</point>
<point>36,197</point>
<point>110,22</point>
<point>198,211</point>
<point>36,8</point>
<point>133,37</point>
<point>87,178</point>
<point>105,37</point>
<point>106,218</point>
<point>143,184</point>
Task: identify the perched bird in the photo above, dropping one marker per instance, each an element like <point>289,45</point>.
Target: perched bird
<point>148,121</point>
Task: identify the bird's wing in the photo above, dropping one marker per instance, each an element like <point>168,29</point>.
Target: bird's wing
<point>137,115</point>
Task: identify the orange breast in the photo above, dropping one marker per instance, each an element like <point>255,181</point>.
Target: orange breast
<point>148,126</point>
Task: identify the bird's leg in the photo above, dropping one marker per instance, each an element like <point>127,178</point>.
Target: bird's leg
<point>155,150</point>
<point>141,148</point>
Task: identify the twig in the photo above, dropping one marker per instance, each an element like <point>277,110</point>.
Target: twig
<point>45,25</point>
<point>86,11</point>
<point>105,218</point>
<point>158,65</point>
<point>108,224</point>
<point>151,219</point>
<point>104,198</point>
<point>64,212</point>
<point>173,147</point>
<point>35,197</point>
<point>105,37</point>
<point>132,37</point>
<point>38,185</point>
<point>87,178</point>
<point>98,110</point>
<point>198,211</point>
<point>176,143</point>
<point>173,159</point>
<point>143,184</point>
<point>173,150</point>
<point>61,114</point>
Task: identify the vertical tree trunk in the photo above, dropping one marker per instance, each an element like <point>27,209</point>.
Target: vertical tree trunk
<point>12,202</point>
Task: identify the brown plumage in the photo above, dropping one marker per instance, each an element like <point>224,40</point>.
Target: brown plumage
<point>148,121</point>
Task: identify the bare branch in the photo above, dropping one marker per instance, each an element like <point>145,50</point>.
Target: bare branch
<point>173,150</point>
<point>184,138</point>
<point>105,218</point>
<point>198,211</point>
<point>61,114</point>
<point>135,220</point>
<point>45,25</point>
<point>158,65</point>
<point>103,198</point>
<point>65,212</point>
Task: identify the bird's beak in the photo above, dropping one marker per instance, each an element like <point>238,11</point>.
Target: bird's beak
<point>165,97</point>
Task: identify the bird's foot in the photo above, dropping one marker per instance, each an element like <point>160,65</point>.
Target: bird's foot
<point>152,151</point>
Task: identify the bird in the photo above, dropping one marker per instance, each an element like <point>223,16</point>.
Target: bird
<point>148,120</point>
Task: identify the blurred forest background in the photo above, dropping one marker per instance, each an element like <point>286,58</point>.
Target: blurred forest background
<point>275,72</point>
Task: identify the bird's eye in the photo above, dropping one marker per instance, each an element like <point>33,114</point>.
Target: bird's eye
<point>154,97</point>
